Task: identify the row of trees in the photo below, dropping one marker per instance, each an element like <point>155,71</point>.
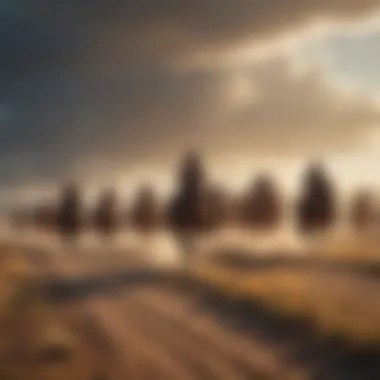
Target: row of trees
<point>197,206</point>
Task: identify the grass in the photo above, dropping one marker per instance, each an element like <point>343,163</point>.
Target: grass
<point>28,324</point>
<point>334,306</point>
<point>15,279</point>
<point>351,246</point>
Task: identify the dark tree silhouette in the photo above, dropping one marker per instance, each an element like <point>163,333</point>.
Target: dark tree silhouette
<point>69,212</point>
<point>235,207</point>
<point>145,215</point>
<point>317,205</point>
<point>362,211</point>
<point>262,205</point>
<point>44,216</point>
<point>218,208</point>
<point>187,212</point>
<point>105,218</point>
<point>21,218</point>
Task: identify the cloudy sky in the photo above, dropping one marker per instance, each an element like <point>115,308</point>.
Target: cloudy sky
<point>114,91</point>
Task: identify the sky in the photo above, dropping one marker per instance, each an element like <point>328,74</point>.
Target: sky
<point>113,92</point>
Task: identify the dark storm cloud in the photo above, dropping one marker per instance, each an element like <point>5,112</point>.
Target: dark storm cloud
<point>127,116</point>
<point>152,114</point>
<point>31,44</point>
<point>39,35</point>
<point>151,28</point>
<point>90,78</point>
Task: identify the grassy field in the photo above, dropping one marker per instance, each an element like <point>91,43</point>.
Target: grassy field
<point>334,306</point>
<point>148,333</point>
<point>166,317</point>
<point>28,325</point>
<point>335,303</point>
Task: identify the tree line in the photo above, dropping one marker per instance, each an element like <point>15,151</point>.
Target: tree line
<point>197,206</point>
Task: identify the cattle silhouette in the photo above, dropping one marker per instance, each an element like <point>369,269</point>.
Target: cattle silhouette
<point>188,212</point>
<point>362,212</point>
<point>105,218</point>
<point>145,215</point>
<point>69,212</point>
<point>316,209</point>
<point>262,205</point>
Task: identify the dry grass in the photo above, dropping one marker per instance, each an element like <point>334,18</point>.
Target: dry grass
<point>335,304</point>
<point>15,274</point>
<point>351,246</point>
<point>28,326</point>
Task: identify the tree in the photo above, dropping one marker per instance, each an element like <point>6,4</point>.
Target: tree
<point>316,208</point>
<point>44,216</point>
<point>145,213</point>
<point>235,207</point>
<point>218,208</point>
<point>262,206</point>
<point>105,218</point>
<point>69,212</point>
<point>21,218</point>
<point>363,210</point>
<point>192,175</point>
<point>187,212</point>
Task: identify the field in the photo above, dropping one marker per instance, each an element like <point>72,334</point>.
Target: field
<point>67,314</point>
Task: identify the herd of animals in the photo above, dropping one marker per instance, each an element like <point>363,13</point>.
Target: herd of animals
<point>198,206</point>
